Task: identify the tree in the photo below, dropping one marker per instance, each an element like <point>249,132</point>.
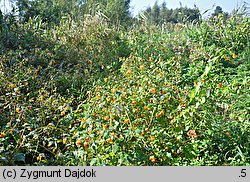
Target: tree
<point>50,11</point>
<point>118,11</point>
<point>218,11</point>
<point>155,13</point>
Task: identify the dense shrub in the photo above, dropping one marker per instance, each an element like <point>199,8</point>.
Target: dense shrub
<point>83,93</point>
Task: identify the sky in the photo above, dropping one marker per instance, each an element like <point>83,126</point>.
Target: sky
<point>138,5</point>
<point>227,5</point>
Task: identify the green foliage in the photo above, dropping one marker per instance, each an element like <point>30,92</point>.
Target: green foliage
<point>161,14</point>
<point>79,92</point>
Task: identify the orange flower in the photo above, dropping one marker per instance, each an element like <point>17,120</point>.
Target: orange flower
<point>79,142</point>
<point>18,110</point>
<point>105,127</point>
<point>141,68</point>
<point>220,85</point>
<point>152,137</point>
<point>152,159</point>
<point>87,139</point>
<point>126,121</point>
<point>64,140</point>
<point>107,118</point>
<point>163,92</point>
<point>162,112</point>
<point>180,99</point>
<point>84,120</point>
<point>113,90</point>
<point>129,70</point>
<point>157,115</point>
<point>98,88</point>
<point>228,134</point>
<point>39,158</point>
<point>192,134</point>
<point>85,144</point>
<point>227,58</point>
<point>152,90</point>
<point>109,140</point>
<point>134,103</point>
<point>2,134</point>
<point>234,55</point>
<point>63,113</point>
<point>146,129</point>
<point>169,84</point>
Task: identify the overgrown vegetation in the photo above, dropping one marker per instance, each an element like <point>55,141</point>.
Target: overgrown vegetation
<point>84,90</point>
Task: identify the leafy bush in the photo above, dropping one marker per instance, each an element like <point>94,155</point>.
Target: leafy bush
<point>83,93</point>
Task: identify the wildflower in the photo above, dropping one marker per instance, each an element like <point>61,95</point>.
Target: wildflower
<point>107,118</point>
<point>134,103</point>
<point>153,90</point>
<point>108,99</point>
<point>84,120</point>
<point>63,113</point>
<point>18,110</point>
<point>64,140</point>
<point>227,58</point>
<point>129,70</point>
<point>105,127</point>
<point>85,144</point>
<point>192,134</point>
<point>141,68</point>
<point>39,158</point>
<point>126,121</point>
<point>79,142</point>
<point>152,159</point>
<point>109,140</point>
<point>228,134</point>
<point>220,85</point>
<point>2,134</point>
<point>234,55</point>
<point>152,137</point>
<point>113,90</point>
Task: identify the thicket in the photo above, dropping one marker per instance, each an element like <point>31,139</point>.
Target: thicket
<point>88,91</point>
